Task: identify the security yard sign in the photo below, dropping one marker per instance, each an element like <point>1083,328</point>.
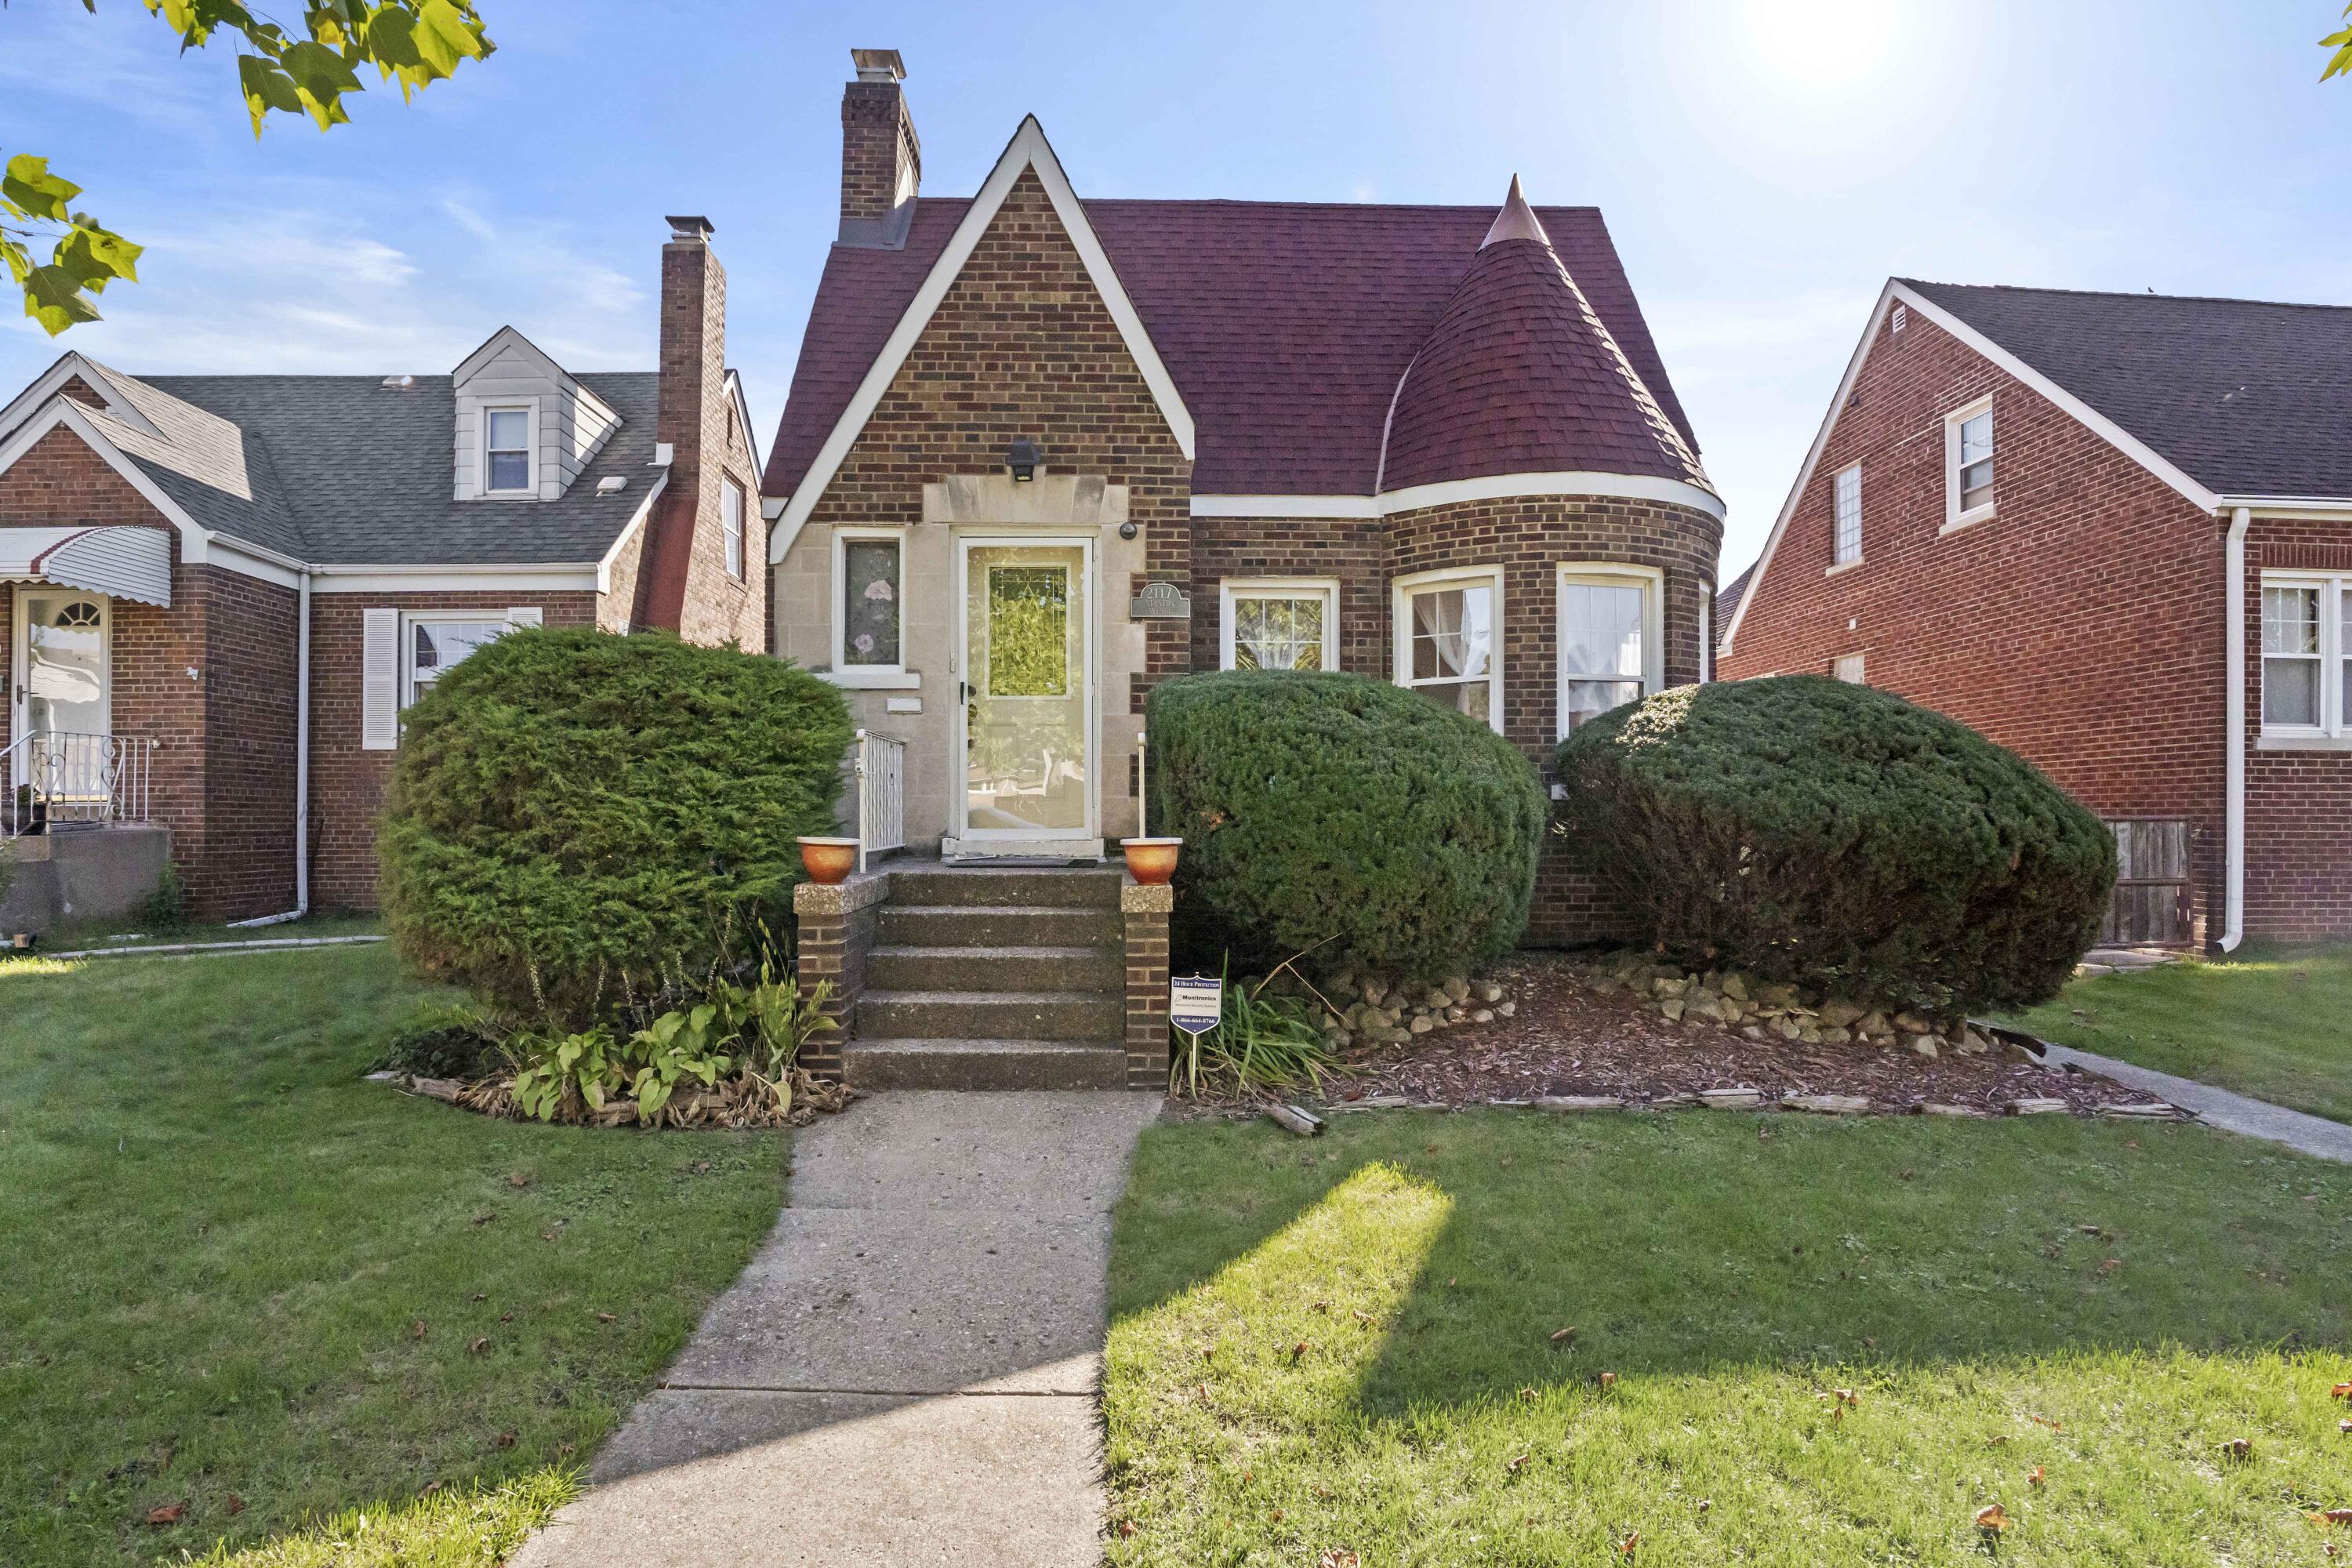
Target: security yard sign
<point>1195,1001</point>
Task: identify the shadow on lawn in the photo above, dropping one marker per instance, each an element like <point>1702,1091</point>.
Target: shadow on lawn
<point>1699,1242</point>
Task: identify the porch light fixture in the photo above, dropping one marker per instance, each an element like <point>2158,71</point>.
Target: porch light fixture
<point>1022,459</point>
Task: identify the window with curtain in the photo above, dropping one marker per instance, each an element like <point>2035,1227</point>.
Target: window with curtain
<point>1447,644</point>
<point>1604,627</point>
<point>1280,625</point>
<point>2307,656</point>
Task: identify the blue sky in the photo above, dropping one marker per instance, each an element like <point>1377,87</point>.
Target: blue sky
<point>1764,166</point>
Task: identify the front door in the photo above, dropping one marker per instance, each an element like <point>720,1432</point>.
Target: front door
<point>1028,769</point>
<point>60,682</point>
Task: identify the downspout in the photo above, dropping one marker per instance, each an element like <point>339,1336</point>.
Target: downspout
<point>2233,639</point>
<point>302,764</point>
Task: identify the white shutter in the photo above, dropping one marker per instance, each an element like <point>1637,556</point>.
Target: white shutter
<point>379,680</point>
<point>525,615</point>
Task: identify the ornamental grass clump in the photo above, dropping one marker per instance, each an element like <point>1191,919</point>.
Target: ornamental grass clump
<point>1340,815</point>
<point>1823,833</point>
<point>580,825</point>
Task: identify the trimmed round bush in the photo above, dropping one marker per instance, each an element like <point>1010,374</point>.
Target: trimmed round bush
<point>1341,815</point>
<point>577,819</point>
<point>1821,831</point>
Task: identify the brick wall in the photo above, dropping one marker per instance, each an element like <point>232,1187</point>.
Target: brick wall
<point>246,867</point>
<point>347,782</point>
<point>879,149</point>
<point>1530,539</point>
<point>2298,803</point>
<point>2082,624</point>
<point>1354,552</point>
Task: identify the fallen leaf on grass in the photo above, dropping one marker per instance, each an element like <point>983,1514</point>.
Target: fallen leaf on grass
<point>2109,1265</point>
<point>2239,1448</point>
<point>1567,1333</point>
<point>1515,1465</point>
<point>2333,1516</point>
<point>518,1180</point>
<point>1992,1517</point>
<point>1296,1351</point>
<point>1126,1528</point>
<point>168,1513</point>
<point>1625,1547</point>
<point>1607,1379</point>
<point>2344,1428</point>
<point>235,1505</point>
<point>479,1345</point>
<point>484,1218</point>
<point>1526,1396</point>
<point>505,1439</point>
<point>2341,1391</point>
<point>1323,1307</point>
<point>607,1317</point>
<point>2033,1477</point>
<point>481,1295</point>
<point>417,1329</point>
<point>428,1488</point>
<point>1366,1319</point>
<point>1339,1557</point>
<point>1274,1514</point>
<point>2045,1421</point>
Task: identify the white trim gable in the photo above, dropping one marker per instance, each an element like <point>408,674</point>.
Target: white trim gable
<point>1027,150</point>
<point>51,381</point>
<point>64,411</point>
<point>2082,413</point>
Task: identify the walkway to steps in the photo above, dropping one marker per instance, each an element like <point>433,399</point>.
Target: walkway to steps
<point>906,1374</point>
<point>985,977</point>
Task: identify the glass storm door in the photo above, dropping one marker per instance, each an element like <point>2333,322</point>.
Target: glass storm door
<point>61,683</point>
<point>1028,773</point>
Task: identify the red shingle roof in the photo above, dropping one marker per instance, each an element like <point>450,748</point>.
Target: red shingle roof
<point>1286,326</point>
<point>1521,376</point>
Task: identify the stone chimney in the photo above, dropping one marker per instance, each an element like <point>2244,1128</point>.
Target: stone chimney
<point>691,418</point>
<point>881,161</point>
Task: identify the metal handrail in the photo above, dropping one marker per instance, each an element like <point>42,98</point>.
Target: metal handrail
<point>881,794</point>
<point>63,778</point>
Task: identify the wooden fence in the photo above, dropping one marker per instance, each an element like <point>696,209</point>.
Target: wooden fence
<point>2152,902</point>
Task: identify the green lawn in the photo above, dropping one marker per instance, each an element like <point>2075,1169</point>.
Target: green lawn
<point>235,1277</point>
<point>1733,1272</point>
<point>2274,1024</point>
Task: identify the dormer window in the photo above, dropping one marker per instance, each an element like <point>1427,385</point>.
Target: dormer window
<point>507,451</point>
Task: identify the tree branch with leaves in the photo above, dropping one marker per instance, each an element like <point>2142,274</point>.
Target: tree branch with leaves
<point>2340,62</point>
<point>279,70</point>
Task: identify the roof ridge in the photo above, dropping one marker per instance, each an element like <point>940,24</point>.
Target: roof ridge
<point>2125,294</point>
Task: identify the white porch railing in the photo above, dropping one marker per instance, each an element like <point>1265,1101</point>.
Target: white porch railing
<point>881,794</point>
<point>55,778</point>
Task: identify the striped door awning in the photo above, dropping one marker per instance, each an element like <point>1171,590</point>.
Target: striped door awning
<point>122,561</point>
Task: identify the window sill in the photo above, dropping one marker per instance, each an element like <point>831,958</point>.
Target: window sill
<point>1967,519</point>
<point>872,679</point>
<point>1842,566</point>
<point>2303,742</point>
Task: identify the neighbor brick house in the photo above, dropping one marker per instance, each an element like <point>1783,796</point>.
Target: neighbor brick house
<point>217,592</point>
<point>1431,444</point>
<point>2114,533</point>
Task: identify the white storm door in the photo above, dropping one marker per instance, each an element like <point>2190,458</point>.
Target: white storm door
<point>1025,728</point>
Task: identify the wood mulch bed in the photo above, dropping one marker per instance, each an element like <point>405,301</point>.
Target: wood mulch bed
<point>1565,1039</point>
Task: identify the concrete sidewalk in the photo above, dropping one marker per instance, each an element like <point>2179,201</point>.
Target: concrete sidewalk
<point>2232,1112</point>
<point>906,1374</point>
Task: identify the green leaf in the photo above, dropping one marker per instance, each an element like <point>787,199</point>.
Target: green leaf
<point>53,298</point>
<point>30,187</point>
<point>321,78</point>
<point>446,35</point>
<point>266,87</point>
<point>98,256</point>
<point>19,260</point>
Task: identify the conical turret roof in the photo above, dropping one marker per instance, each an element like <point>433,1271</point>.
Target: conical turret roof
<point>1519,377</point>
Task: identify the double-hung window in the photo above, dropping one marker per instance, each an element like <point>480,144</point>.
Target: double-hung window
<point>1847,496</point>
<point>730,524</point>
<point>506,444</point>
<point>1967,464</point>
<point>1279,623</point>
<point>1610,651</point>
<point>437,644</point>
<point>1449,639</point>
<point>2306,657</point>
<point>869,577</point>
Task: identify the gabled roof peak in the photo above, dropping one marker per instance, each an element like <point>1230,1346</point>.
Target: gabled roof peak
<point>1516,221</point>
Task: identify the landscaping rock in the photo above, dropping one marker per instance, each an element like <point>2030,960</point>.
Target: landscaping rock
<point>2039,1105</point>
<point>1457,989</point>
<point>1827,1104</point>
<point>2153,1111</point>
<point>1731,1098</point>
<point>1488,991</point>
<point>1420,1023</point>
<point>1933,1108</point>
<point>1566,1102</point>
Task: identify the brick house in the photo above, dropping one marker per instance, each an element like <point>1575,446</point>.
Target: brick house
<point>1042,451</point>
<point>2113,531</point>
<point>217,593</point>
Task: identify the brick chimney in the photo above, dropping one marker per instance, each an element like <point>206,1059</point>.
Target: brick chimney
<point>691,418</point>
<point>881,161</point>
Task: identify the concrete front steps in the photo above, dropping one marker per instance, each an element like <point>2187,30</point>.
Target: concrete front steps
<point>986,978</point>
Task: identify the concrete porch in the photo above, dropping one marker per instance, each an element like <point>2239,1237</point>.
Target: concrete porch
<point>67,876</point>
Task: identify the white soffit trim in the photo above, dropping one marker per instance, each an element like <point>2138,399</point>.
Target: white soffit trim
<point>1492,487</point>
<point>566,577</point>
<point>120,560</point>
<point>2290,506</point>
<point>2098,424</point>
<point>637,520</point>
<point>1027,150</point>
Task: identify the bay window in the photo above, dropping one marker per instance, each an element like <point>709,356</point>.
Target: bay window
<point>1449,628</point>
<point>1609,645</point>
